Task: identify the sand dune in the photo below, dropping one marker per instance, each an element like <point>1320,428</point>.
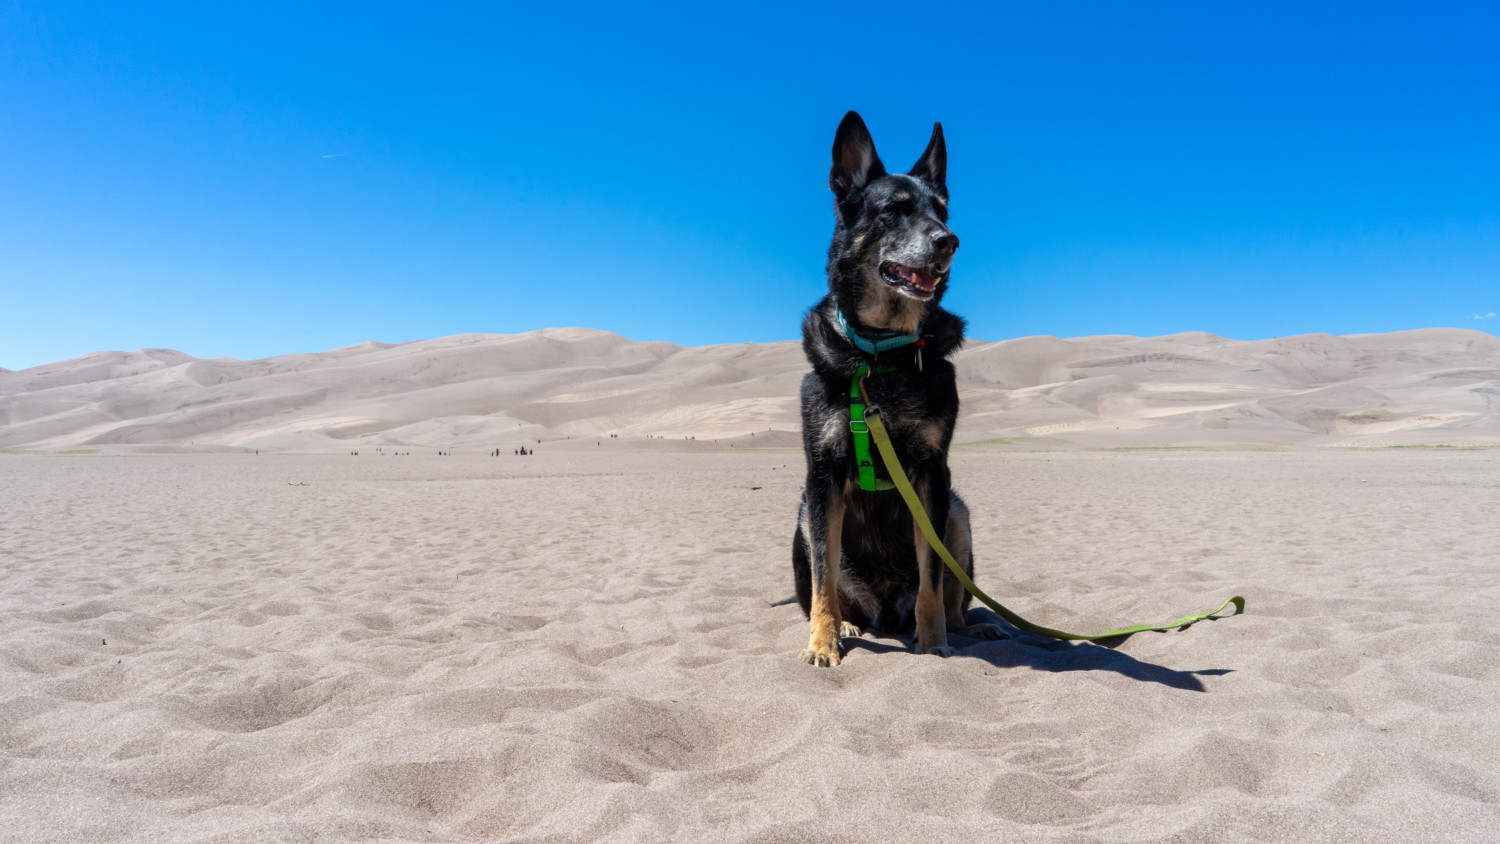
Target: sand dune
<point>1436,386</point>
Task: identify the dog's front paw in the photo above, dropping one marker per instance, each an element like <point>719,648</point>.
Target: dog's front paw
<point>819,657</point>
<point>988,632</point>
<point>936,650</point>
<point>849,631</point>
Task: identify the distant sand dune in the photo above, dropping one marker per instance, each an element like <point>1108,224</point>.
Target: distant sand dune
<point>1431,386</point>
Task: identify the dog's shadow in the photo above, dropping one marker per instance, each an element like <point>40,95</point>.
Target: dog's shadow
<point>1025,650</point>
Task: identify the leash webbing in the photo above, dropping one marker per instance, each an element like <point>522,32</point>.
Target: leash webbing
<point>898,475</point>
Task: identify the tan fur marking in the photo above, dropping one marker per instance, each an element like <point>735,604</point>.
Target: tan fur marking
<point>932,629</point>
<point>857,594</point>
<point>804,529</point>
<point>826,615</point>
<point>932,632</point>
<point>886,309</point>
<point>931,435</point>
<point>957,539</point>
<point>834,429</point>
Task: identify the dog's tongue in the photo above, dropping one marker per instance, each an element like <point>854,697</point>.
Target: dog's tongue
<point>918,278</point>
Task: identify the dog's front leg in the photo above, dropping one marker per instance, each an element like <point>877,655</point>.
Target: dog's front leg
<point>825,518</point>
<point>932,629</point>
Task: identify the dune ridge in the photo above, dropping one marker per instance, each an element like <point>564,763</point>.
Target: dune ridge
<point>1429,386</point>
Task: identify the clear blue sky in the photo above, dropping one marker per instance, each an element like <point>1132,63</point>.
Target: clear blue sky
<point>272,179</point>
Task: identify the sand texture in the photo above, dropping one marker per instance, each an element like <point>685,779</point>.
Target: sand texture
<point>579,646</point>
<point>1433,386</point>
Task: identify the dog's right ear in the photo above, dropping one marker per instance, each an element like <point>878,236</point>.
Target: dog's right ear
<point>932,167</point>
<point>855,163</point>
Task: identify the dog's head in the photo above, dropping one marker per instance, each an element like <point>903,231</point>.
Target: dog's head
<point>892,249</point>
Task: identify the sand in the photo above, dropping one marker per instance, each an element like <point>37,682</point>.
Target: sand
<point>580,646</point>
<point>202,643</point>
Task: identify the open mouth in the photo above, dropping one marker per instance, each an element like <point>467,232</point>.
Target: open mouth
<point>917,282</point>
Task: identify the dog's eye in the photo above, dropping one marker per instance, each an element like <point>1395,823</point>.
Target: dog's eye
<point>901,206</point>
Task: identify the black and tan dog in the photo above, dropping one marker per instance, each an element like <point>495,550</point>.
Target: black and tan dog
<point>858,559</point>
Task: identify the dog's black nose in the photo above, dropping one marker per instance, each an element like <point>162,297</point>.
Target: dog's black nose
<point>945,241</point>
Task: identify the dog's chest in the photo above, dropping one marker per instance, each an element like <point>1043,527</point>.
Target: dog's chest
<point>914,418</point>
<point>916,421</point>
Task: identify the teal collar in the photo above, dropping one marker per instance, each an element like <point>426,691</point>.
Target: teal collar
<point>877,341</point>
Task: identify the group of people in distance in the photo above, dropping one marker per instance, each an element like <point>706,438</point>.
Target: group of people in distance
<point>523,451</point>
<point>651,437</point>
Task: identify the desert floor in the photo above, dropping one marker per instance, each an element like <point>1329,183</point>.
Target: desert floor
<point>580,646</point>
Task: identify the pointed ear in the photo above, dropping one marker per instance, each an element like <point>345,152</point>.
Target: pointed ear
<point>855,163</point>
<point>932,167</point>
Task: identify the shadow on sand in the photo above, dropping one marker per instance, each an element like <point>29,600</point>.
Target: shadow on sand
<point>1024,650</point>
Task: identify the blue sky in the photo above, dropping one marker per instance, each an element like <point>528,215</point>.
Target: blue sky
<point>268,179</point>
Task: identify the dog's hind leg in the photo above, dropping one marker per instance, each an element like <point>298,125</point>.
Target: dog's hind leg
<point>824,527</point>
<point>955,597</point>
<point>801,558</point>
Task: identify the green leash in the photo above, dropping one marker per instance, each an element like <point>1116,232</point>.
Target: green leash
<point>871,420</point>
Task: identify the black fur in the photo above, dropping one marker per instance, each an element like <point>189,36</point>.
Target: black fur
<point>885,224</point>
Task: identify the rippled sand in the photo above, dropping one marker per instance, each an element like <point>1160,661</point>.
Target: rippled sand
<point>575,647</point>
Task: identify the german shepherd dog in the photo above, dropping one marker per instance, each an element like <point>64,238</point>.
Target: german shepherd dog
<point>858,559</point>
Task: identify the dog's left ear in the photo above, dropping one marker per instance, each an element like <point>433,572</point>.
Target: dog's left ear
<point>855,163</point>
<point>932,167</point>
